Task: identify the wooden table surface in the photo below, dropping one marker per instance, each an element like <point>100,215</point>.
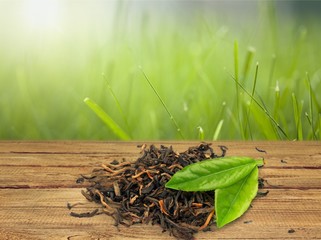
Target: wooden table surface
<point>37,180</point>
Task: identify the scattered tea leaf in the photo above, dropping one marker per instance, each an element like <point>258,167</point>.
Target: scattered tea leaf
<point>248,222</point>
<point>84,215</point>
<point>260,150</point>
<point>262,194</point>
<point>291,231</point>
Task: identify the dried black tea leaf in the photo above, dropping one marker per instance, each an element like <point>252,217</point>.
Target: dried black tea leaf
<point>134,192</point>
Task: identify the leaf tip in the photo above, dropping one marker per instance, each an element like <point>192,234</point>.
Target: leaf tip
<point>219,225</point>
<point>170,185</point>
<point>260,162</point>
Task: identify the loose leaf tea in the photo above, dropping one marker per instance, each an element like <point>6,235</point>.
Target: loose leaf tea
<point>134,192</point>
<point>212,174</point>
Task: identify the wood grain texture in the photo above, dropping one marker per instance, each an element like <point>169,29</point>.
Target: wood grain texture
<point>37,180</point>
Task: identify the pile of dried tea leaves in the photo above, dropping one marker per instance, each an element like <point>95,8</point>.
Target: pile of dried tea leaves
<point>134,192</point>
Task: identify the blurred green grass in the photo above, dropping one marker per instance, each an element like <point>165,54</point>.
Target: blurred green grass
<point>45,77</point>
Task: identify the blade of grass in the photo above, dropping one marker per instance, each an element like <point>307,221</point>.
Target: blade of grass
<point>263,108</point>
<point>297,111</point>
<point>236,75</point>
<point>200,133</point>
<point>218,130</point>
<point>220,116</point>
<point>277,101</point>
<point>232,121</point>
<point>248,61</point>
<point>310,135</point>
<point>222,110</point>
<point>178,129</point>
<point>117,103</point>
<point>236,61</point>
<point>254,81</point>
<point>107,119</point>
<point>271,72</point>
<point>274,127</point>
<point>319,126</point>
<point>247,125</point>
<point>310,115</point>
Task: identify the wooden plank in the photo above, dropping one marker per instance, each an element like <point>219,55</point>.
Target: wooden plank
<point>62,177</point>
<point>38,179</point>
<point>292,154</point>
<point>30,164</point>
<point>40,213</point>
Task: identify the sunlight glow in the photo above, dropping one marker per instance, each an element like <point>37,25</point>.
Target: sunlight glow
<point>41,14</point>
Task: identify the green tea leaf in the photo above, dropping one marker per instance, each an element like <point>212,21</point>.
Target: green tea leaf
<point>212,174</point>
<point>231,202</point>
